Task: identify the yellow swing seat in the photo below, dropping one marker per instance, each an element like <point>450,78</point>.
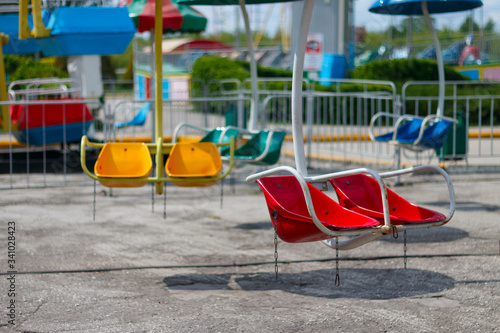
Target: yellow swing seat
<point>124,160</point>
<point>194,164</point>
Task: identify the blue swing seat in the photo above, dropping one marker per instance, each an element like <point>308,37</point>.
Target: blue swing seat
<point>138,120</point>
<point>416,134</point>
<point>433,137</point>
<point>408,129</point>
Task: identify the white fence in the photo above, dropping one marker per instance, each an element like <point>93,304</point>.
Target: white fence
<point>336,122</point>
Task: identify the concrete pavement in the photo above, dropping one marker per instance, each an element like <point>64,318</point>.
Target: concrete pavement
<point>207,269</point>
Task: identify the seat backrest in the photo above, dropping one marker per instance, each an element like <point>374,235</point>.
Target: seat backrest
<point>435,135</point>
<point>256,146</point>
<point>409,129</point>
<point>215,134</point>
<point>362,194</point>
<point>139,119</point>
<point>286,193</point>
<point>358,190</point>
<point>124,159</point>
<point>194,159</point>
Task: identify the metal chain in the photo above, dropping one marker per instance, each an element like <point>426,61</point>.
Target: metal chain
<point>153,197</point>
<point>275,215</point>
<point>165,200</point>
<point>404,247</point>
<point>395,232</point>
<point>221,192</point>
<point>94,197</point>
<point>337,275</point>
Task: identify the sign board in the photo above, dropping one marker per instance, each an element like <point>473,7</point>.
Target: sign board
<point>314,52</point>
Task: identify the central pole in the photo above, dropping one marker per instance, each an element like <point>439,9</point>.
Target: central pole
<point>253,69</point>
<point>158,90</point>
<point>439,59</point>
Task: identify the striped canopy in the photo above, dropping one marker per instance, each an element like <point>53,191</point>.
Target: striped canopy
<point>176,17</point>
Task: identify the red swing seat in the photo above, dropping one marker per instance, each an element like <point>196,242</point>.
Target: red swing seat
<point>361,194</point>
<point>293,222</point>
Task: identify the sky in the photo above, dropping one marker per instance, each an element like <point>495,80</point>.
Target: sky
<point>223,17</point>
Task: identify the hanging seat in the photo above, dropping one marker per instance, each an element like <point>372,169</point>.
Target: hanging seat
<point>302,213</point>
<point>220,135</point>
<point>290,215</point>
<point>138,120</point>
<point>193,160</point>
<point>415,133</point>
<point>123,160</point>
<point>263,148</point>
<point>361,193</point>
<point>123,164</point>
<point>50,121</point>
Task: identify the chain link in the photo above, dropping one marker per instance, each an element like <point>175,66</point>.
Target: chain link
<point>395,232</point>
<point>153,197</point>
<point>337,275</point>
<point>404,247</point>
<point>94,198</point>
<point>221,191</point>
<point>275,215</point>
<point>165,200</point>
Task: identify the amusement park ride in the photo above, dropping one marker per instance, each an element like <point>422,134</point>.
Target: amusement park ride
<point>300,211</point>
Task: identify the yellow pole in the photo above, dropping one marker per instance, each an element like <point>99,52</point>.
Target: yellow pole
<point>24,29</point>
<point>5,120</point>
<point>158,90</point>
<point>39,29</point>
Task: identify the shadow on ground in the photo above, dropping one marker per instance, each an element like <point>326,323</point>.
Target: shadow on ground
<point>255,226</point>
<point>432,235</point>
<point>354,283</point>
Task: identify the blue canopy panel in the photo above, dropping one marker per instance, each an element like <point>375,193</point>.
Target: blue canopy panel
<point>88,31</point>
<point>414,7</point>
<point>9,25</point>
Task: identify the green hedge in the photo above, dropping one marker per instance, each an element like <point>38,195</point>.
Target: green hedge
<point>403,70</point>
<point>24,68</point>
<point>212,68</point>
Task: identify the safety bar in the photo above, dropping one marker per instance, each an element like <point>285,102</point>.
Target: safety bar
<point>202,129</point>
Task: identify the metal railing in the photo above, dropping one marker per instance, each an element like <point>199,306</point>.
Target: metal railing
<point>46,163</point>
<point>336,123</point>
<point>476,104</point>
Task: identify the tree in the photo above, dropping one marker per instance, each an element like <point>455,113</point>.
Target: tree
<point>418,25</point>
<point>489,27</point>
<point>465,27</point>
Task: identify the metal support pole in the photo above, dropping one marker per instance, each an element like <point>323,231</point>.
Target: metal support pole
<point>253,69</point>
<point>158,89</point>
<point>439,58</point>
<point>298,71</point>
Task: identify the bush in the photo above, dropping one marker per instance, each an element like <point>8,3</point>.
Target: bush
<point>400,71</point>
<point>23,68</point>
<point>212,68</point>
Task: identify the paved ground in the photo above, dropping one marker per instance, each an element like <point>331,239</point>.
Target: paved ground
<point>207,269</point>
